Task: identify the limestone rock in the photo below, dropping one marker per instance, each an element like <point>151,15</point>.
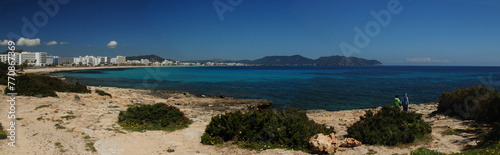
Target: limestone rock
<point>324,144</point>
<point>350,142</point>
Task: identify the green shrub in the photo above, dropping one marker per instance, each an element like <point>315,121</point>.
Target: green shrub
<point>43,85</point>
<point>207,139</point>
<point>490,138</point>
<point>3,135</point>
<point>90,147</point>
<point>425,151</point>
<point>479,103</point>
<point>59,126</point>
<point>170,150</point>
<point>450,132</point>
<point>390,126</point>
<point>493,149</point>
<point>264,129</point>
<point>42,106</point>
<point>102,93</point>
<point>68,117</point>
<point>3,73</point>
<point>153,117</point>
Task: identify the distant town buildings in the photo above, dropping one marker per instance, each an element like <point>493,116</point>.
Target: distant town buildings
<point>113,61</point>
<point>121,59</point>
<point>30,58</point>
<point>145,61</point>
<point>41,59</point>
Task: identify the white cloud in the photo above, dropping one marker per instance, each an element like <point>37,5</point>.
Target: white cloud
<point>419,60</point>
<point>112,44</point>
<point>4,42</point>
<point>62,43</point>
<point>426,60</point>
<point>51,43</point>
<point>28,42</point>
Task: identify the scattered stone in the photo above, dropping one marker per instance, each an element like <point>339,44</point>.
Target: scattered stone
<point>324,144</point>
<point>350,142</point>
<point>441,117</point>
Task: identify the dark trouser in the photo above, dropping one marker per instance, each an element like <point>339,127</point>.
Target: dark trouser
<point>405,107</point>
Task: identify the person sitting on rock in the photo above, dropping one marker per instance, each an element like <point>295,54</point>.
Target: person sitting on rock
<point>396,102</point>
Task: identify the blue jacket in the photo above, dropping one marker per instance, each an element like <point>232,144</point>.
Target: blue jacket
<point>405,101</point>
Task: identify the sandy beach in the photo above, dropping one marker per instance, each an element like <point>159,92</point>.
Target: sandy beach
<point>95,124</point>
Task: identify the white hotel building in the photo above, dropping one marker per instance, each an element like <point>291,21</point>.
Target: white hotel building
<point>32,58</point>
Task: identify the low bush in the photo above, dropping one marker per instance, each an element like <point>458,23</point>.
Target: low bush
<point>490,138</point>
<point>59,126</point>
<point>264,129</point>
<point>170,150</point>
<point>3,135</point>
<point>478,103</point>
<point>450,132</point>
<point>42,85</point>
<point>493,149</point>
<point>102,93</point>
<point>90,147</point>
<point>390,126</point>
<point>153,117</point>
<point>3,73</point>
<point>425,151</point>
<point>68,117</point>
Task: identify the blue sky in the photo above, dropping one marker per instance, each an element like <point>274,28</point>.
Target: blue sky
<point>423,32</point>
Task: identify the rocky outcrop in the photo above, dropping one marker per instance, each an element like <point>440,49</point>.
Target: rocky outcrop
<point>350,142</point>
<point>324,144</point>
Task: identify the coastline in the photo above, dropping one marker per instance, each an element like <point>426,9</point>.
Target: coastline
<point>96,117</point>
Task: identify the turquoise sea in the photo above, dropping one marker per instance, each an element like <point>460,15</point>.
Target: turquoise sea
<point>304,87</point>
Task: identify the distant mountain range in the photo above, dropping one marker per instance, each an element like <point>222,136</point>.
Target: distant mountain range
<point>298,60</point>
<point>149,57</point>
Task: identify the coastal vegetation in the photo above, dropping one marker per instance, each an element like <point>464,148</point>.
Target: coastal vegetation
<point>90,147</point>
<point>159,116</point>
<point>43,85</point>
<point>477,103</point>
<point>3,135</point>
<point>3,73</point>
<point>264,129</point>
<point>102,93</point>
<point>39,85</point>
<point>389,126</point>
